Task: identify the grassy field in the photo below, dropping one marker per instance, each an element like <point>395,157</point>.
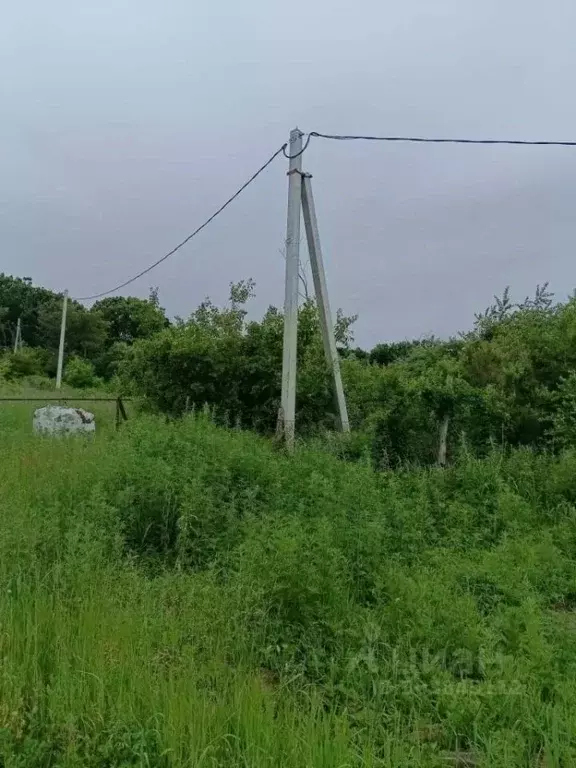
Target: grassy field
<point>181,595</point>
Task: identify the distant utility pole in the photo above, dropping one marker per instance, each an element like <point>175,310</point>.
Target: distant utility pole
<point>62,340</point>
<point>18,339</point>
<point>300,195</point>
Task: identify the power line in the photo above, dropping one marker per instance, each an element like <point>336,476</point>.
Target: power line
<point>252,178</point>
<point>333,137</point>
<point>427,140</point>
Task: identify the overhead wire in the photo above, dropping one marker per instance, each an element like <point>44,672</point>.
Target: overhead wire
<point>191,235</point>
<point>431,140</point>
<point>309,136</point>
<point>301,152</point>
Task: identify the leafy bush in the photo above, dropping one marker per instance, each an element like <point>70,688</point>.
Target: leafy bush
<point>108,363</point>
<point>80,373</point>
<point>28,361</point>
<point>216,357</point>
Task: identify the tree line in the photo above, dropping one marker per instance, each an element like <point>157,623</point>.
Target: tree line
<point>510,381</point>
<point>96,338</point>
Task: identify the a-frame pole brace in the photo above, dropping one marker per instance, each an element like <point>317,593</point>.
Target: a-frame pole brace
<point>321,290</point>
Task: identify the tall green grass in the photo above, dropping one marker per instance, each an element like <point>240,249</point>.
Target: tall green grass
<point>182,595</point>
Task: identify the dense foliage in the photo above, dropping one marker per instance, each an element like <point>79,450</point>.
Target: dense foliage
<point>218,357</point>
<point>511,381</point>
<point>508,382</point>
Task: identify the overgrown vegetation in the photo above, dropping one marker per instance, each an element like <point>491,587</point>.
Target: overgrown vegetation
<point>181,593</point>
<point>508,382</point>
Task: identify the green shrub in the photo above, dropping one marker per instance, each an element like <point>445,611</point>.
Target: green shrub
<point>27,361</point>
<point>218,358</point>
<point>79,373</point>
<point>42,383</point>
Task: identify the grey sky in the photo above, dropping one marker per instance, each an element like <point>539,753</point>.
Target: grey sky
<point>124,124</point>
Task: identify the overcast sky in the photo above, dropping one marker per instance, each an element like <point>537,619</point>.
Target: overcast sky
<point>125,123</point>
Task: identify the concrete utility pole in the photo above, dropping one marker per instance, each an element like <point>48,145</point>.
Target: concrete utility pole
<point>18,339</point>
<point>62,340</point>
<point>287,414</point>
<point>300,194</point>
<point>321,290</point>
